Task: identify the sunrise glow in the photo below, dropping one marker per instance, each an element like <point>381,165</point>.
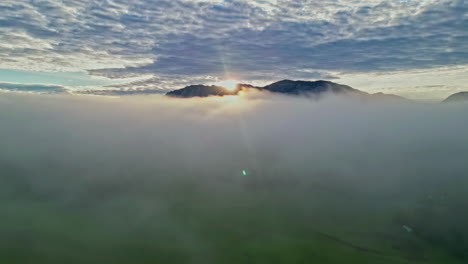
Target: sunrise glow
<point>228,84</point>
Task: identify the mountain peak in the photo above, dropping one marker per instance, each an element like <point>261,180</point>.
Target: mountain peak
<point>283,86</point>
<point>308,87</point>
<point>458,97</point>
<point>201,90</point>
<point>288,87</point>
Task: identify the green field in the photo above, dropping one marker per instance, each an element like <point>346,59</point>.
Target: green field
<point>237,219</point>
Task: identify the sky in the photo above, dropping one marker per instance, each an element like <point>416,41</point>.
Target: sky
<point>417,49</point>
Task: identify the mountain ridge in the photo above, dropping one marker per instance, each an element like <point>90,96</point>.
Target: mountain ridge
<point>288,87</point>
<point>457,97</point>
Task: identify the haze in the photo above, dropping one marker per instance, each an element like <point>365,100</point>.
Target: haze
<point>143,179</point>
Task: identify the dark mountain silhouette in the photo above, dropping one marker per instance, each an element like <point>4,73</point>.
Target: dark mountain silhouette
<point>285,87</point>
<point>307,87</point>
<point>300,88</point>
<point>202,91</point>
<point>458,97</point>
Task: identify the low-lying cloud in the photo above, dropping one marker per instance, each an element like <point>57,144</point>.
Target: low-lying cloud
<point>138,178</point>
<point>40,88</point>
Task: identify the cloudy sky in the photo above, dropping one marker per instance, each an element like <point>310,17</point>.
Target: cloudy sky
<point>417,49</point>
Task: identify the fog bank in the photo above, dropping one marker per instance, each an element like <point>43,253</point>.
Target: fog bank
<point>210,180</point>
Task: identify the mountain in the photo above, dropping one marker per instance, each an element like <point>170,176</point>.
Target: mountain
<point>307,87</point>
<point>301,88</point>
<point>202,91</point>
<point>456,98</point>
<point>285,87</point>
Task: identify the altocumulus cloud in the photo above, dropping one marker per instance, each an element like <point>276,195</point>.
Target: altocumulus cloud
<point>248,40</point>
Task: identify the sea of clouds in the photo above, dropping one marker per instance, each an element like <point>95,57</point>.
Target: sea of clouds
<point>134,157</point>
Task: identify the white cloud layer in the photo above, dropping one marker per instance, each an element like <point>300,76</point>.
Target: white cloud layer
<point>97,177</point>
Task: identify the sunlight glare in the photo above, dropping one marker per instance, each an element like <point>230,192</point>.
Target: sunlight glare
<point>231,85</point>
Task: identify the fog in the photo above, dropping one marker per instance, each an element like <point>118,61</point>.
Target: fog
<point>259,178</point>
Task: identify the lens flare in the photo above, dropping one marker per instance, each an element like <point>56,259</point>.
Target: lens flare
<point>231,85</point>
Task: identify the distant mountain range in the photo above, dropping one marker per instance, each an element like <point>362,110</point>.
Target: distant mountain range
<point>288,87</point>
<point>301,88</point>
<point>456,98</point>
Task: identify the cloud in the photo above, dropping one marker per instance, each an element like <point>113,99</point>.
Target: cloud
<point>429,84</point>
<point>196,38</point>
<point>165,176</point>
<point>32,88</point>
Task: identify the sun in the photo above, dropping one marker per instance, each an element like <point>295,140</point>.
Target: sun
<point>231,85</point>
